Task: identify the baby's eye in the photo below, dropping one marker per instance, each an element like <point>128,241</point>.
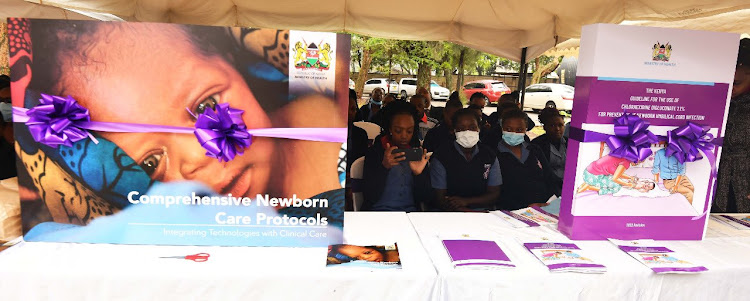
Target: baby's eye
<point>151,163</point>
<point>208,102</point>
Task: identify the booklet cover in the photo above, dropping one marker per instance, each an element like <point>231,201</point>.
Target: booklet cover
<point>113,118</point>
<point>658,258</point>
<point>650,106</point>
<point>563,257</point>
<point>526,217</point>
<point>736,221</point>
<point>369,257</point>
<point>476,254</point>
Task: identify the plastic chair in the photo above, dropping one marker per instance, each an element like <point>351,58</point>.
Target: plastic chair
<point>357,175</point>
<point>373,130</point>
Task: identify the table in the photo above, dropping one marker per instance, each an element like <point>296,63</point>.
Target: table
<point>724,252</point>
<point>55,271</point>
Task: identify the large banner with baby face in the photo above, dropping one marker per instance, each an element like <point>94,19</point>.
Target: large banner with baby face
<point>144,133</point>
<point>649,110</point>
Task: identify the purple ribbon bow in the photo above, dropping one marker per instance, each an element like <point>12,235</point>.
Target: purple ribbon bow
<point>57,121</point>
<point>632,139</point>
<point>222,132</point>
<point>686,142</point>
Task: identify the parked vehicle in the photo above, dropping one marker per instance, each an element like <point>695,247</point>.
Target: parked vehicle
<point>438,92</point>
<point>540,96</point>
<point>351,84</point>
<point>407,87</point>
<point>492,89</point>
<point>373,83</point>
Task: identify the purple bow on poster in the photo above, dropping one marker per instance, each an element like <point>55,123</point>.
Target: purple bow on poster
<point>632,139</point>
<point>222,132</point>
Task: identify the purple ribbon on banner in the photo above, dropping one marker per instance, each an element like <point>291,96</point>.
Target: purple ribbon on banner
<point>632,139</point>
<point>222,132</point>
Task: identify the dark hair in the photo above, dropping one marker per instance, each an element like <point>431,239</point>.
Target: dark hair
<point>401,108</point>
<point>476,95</point>
<point>454,103</point>
<point>547,113</point>
<point>474,107</point>
<point>454,96</point>
<point>4,81</point>
<point>508,97</point>
<point>506,105</point>
<point>464,112</point>
<point>515,114</point>
<point>352,94</point>
<point>418,96</point>
<point>743,56</point>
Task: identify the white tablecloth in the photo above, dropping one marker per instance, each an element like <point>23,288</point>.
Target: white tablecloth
<point>724,252</point>
<point>52,271</point>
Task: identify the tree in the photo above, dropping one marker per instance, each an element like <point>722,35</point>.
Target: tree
<point>426,55</point>
<point>544,65</point>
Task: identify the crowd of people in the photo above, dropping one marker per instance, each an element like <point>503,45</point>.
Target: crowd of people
<point>469,161</point>
<point>473,162</point>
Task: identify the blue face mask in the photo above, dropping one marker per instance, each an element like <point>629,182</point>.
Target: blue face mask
<point>6,110</point>
<point>512,138</point>
<point>377,103</point>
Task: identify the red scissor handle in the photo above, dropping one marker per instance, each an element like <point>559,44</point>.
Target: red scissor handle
<point>200,257</point>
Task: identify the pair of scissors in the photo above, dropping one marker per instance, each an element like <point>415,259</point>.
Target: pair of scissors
<point>200,257</point>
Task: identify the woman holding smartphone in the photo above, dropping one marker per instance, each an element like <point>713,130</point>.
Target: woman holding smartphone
<point>392,182</point>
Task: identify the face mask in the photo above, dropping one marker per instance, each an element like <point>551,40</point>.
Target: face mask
<point>513,139</point>
<point>467,139</point>
<point>377,103</point>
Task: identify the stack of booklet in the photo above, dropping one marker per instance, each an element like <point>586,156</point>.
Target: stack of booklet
<point>476,254</point>
<point>658,258</point>
<point>526,217</point>
<point>563,257</point>
<point>739,222</point>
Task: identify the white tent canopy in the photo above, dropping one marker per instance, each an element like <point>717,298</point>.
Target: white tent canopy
<point>501,27</point>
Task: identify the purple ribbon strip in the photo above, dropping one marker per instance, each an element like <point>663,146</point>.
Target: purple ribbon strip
<point>62,121</point>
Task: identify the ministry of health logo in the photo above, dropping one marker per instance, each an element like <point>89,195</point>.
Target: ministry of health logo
<point>661,52</point>
<point>312,57</point>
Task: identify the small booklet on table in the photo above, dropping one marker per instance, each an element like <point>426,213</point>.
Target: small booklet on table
<point>563,257</point>
<point>476,254</point>
<point>737,221</point>
<point>368,257</point>
<point>658,258</point>
<point>526,217</point>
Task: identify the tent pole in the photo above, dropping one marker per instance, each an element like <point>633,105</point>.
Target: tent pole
<point>522,76</point>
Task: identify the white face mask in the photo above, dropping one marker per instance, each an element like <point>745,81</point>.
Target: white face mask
<point>467,139</point>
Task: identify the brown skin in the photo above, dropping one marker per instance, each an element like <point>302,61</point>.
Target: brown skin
<point>741,82</point>
<point>555,128</point>
<point>418,103</point>
<point>352,110</point>
<point>457,203</point>
<point>268,166</point>
<point>369,254</point>
<point>428,98</point>
<point>514,125</point>
<point>377,95</point>
<point>388,99</point>
<point>401,132</point>
<point>479,101</point>
<point>448,113</point>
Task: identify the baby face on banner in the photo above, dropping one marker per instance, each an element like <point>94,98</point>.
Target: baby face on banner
<point>147,74</point>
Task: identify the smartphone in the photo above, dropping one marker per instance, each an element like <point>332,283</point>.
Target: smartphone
<point>412,154</point>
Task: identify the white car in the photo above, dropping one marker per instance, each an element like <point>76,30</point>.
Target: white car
<point>351,84</point>
<point>408,87</point>
<point>438,92</point>
<point>373,83</point>
<point>540,96</point>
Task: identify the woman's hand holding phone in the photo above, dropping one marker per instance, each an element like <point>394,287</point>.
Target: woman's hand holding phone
<point>391,159</point>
